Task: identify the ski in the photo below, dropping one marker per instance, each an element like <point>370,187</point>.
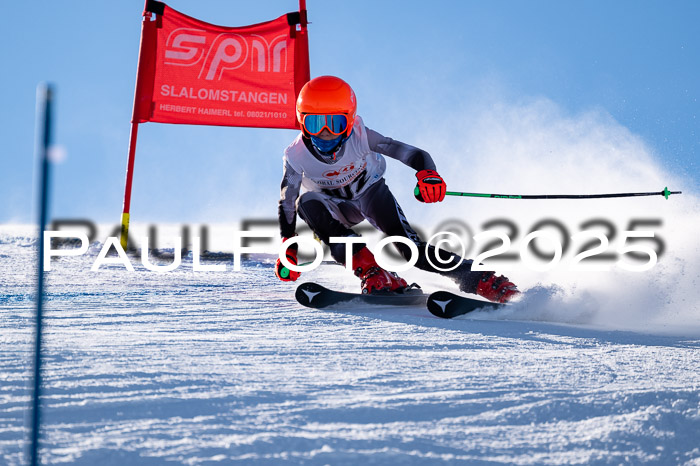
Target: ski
<point>448,305</point>
<point>318,297</point>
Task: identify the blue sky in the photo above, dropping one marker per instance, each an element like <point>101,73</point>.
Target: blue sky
<point>412,65</point>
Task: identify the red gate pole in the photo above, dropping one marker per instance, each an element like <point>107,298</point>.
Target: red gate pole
<point>127,189</point>
<point>143,96</point>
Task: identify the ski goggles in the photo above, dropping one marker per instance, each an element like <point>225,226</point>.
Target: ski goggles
<point>315,124</point>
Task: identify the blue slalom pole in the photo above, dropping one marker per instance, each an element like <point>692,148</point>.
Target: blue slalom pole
<point>44,100</point>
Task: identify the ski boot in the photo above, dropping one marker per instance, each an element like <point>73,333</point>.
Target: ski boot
<point>375,278</point>
<point>497,289</point>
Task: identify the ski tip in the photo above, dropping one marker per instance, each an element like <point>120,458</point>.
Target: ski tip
<point>447,305</point>
<point>306,292</point>
<point>438,304</point>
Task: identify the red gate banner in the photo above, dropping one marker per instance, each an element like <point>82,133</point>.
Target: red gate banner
<point>193,72</point>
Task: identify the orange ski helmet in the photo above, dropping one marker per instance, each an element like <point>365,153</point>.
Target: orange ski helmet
<point>327,95</point>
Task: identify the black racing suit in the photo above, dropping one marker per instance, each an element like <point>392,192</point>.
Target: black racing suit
<point>330,215</point>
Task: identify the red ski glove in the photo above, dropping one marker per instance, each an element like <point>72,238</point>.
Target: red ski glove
<point>430,187</point>
<point>282,272</point>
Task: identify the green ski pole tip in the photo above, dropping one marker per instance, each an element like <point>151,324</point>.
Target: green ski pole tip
<point>666,192</point>
<point>417,195</point>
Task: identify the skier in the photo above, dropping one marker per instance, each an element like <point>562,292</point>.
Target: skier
<point>339,162</point>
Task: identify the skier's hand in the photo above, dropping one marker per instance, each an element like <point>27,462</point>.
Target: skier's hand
<point>282,272</point>
<point>430,187</point>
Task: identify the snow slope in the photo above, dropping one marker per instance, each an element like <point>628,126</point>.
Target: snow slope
<point>223,367</point>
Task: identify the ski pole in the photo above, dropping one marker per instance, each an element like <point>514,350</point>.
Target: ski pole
<point>664,193</point>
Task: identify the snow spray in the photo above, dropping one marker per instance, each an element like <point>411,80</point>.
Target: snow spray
<point>536,147</point>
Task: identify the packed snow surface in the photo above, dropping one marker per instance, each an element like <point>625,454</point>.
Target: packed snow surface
<point>197,368</point>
